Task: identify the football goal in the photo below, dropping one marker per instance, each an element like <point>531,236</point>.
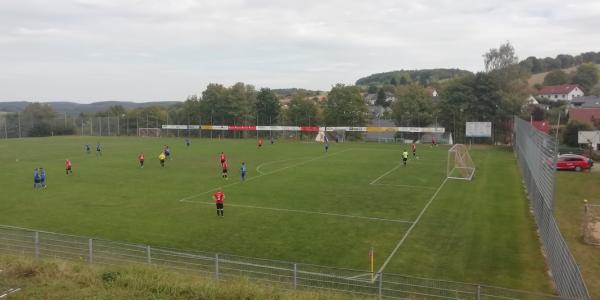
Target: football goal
<point>460,165</point>
<point>149,132</point>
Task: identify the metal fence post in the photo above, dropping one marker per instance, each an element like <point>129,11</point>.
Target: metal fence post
<point>90,251</point>
<point>148,254</point>
<point>295,276</point>
<point>217,266</point>
<point>36,241</point>
<point>380,288</point>
<point>478,292</point>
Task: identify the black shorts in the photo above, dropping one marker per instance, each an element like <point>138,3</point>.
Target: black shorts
<point>141,162</point>
<point>219,205</point>
<point>68,168</point>
<point>404,159</point>
<point>224,171</point>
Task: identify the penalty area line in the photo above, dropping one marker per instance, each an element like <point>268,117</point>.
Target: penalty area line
<point>389,258</point>
<point>307,212</point>
<point>263,174</point>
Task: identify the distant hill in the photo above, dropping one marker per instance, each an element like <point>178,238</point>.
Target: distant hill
<point>562,61</point>
<point>539,77</point>
<point>424,76</point>
<point>76,108</point>
<point>291,91</point>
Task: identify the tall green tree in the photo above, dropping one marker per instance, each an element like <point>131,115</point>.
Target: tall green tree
<point>301,111</point>
<point>570,135</point>
<point>381,96</point>
<point>586,77</point>
<point>510,77</point>
<point>556,77</point>
<point>500,58</point>
<point>372,89</point>
<point>413,106</point>
<point>345,107</point>
<point>267,107</point>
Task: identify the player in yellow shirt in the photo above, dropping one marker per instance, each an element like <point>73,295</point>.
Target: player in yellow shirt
<point>162,158</point>
<point>404,157</point>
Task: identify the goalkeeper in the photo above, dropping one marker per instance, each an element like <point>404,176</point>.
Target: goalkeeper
<point>404,157</point>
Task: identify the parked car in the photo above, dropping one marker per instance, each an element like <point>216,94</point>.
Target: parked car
<point>573,162</point>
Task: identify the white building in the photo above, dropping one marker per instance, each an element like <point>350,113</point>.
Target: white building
<point>565,92</point>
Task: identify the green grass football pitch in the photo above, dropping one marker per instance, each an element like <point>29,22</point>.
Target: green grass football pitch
<point>297,204</point>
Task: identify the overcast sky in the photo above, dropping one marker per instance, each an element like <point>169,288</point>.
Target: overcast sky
<point>92,50</point>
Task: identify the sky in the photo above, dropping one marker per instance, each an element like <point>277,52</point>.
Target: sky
<point>166,50</point>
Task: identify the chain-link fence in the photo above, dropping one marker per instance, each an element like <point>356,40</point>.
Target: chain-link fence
<point>537,154</point>
<point>288,275</point>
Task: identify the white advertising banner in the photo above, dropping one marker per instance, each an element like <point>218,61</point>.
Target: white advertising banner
<point>478,129</point>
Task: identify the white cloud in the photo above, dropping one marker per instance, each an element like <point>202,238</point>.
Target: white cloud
<point>89,50</point>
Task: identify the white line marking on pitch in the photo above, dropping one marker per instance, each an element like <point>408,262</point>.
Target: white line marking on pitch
<point>272,162</point>
<point>411,228</point>
<point>407,186</point>
<point>385,174</point>
<point>264,174</point>
<point>307,212</point>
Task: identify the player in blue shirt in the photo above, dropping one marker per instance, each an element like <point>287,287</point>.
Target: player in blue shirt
<point>43,177</point>
<point>98,149</point>
<point>87,148</point>
<point>243,171</point>
<point>36,178</point>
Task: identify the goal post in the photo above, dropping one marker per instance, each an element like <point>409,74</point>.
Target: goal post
<point>460,165</point>
<point>149,132</point>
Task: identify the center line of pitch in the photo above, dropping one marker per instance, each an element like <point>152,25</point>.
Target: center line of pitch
<point>307,212</point>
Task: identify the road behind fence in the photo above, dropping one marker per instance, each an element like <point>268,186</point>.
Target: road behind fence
<point>537,154</point>
<point>41,244</point>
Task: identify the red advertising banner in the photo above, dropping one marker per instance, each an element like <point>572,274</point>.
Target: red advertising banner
<point>309,128</point>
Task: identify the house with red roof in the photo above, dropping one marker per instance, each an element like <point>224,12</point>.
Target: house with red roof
<point>564,92</point>
<point>585,115</point>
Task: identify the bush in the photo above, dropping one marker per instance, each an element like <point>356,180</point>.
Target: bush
<point>569,136</point>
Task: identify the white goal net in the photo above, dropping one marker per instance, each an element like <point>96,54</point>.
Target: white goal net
<point>460,165</point>
<point>149,132</point>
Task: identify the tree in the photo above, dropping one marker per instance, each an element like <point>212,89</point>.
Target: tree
<point>413,106</point>
<point>345,106</point>
<point>586,77</point>
<point>570,135</point>
<point>301,111</point>
<point>394,82</point>
<point>381,96</point>
<point>372,89</point>
<point>38,119</point>
<point>403,80</point>
<point>510,78</point>
<point>500,58</point>
<point>556,77</point>
<point>538,114</point>
<point>595,90</point>
<point>267,106</point>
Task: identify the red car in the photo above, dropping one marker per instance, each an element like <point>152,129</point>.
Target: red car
<point>573,162</point>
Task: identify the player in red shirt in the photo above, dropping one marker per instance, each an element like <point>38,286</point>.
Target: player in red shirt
<point>414,149</point>
<point>141,159</point>
<point>68,166</point>
<point>260,141</point>
<point>223,159</point>
<point>219,197</point>
<point>224,165</point>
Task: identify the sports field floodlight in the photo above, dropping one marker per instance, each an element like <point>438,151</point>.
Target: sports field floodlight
<point>460,165</point>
